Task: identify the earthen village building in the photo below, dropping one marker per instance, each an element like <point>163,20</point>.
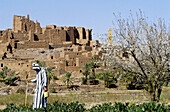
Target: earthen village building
<point>63,48</point>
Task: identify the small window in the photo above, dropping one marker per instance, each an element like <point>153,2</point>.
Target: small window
<point>2,65</point>
<point>51,57</point>
<point>18,63</point>
<point>27,65</point>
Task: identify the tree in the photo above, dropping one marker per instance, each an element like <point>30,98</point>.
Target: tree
<point>86,71</point>
<point>8,76</point>
<point>50,74</point>
<point>5,72</point>
<point>107,77</point>
<point>147,45</point>
<point>67,79</point>
<point>93,65</point>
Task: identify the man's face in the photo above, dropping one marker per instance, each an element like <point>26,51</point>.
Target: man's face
<point>36,67</point>
<point>36,70</point>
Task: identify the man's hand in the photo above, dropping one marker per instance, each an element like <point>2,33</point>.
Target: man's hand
<point>28,81</point>
<point>45,89</point>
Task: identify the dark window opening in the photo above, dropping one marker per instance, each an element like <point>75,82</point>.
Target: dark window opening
<point>66,63</point>
<point>27,65</point>
<point>2,65</point>
<point>36,38</point>
<point>15,45</point>
<point>18,63</point>
<point>9,47</point>
<point>51,57</point>
<point>25,27</point>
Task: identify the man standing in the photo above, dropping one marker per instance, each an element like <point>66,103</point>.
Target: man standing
<point>41,87</point>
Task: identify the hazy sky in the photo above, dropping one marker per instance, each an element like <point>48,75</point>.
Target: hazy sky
<point>91,14</point>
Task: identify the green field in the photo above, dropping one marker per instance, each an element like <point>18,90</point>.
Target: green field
<point>91,98</point>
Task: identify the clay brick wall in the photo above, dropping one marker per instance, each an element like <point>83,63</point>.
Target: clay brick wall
<point>3,48</point>
<point>81,31</point>
<point>16,65</point>
<point>20,23</point>
<point>86,48</point>
<point>81,60</point>
<point>36,44</point>
<point>72,68</point>
<point>51,26</point>
<point>38,28</point>
<point>54,36</point>
<point>83,41</point>
<point>72,34</point>
<point>20,36</point>
<point>33,44</point>
<point>77,48</point>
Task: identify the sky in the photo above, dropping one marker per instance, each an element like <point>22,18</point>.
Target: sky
<point>91,14</point>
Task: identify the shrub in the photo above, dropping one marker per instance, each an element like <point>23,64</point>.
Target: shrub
<point>21,91</point>
<point>53,90</point>
<point>55,77</point>
<point>105,107</point>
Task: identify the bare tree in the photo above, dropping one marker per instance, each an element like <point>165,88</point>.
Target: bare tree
<point>147,46</point>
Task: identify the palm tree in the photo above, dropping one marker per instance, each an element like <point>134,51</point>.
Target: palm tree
<point>86,71</point>
<point>93,66</point>
<point>67,79</point>
<point>50,74</point>
<point>107,77</point>
<point>4,72</point>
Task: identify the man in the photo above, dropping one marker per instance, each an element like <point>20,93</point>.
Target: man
<point>41,87</point>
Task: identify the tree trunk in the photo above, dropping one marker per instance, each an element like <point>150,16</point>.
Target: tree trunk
<point>152,91</point>
<point>86,79</point>
<point>159,93</point>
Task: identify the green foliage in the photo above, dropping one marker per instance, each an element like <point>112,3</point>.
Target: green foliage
<point>50,74</point>
<point>53,90</point>
<point>4,72</point>
<point>2,76</point>
<point>107,77</point>
<point>21,91</point>
<point>10,80</point>
<point>77,107</point>
<point>55,77</point>
<point>84,80</point>
<point>133,81</point>
<point>8,76</point>
<point>67,79</point>
<point>86,72</point>
<point>42,64</point>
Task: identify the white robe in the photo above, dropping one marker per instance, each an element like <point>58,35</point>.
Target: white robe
<point>41,82</point>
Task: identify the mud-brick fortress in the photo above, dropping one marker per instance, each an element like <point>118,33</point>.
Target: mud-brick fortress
<point>63,48</point>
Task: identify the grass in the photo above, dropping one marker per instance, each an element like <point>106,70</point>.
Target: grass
<point>133,96</point>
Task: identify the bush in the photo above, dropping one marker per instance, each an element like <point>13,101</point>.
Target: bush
<point>84,81</point>
<point>10,80</point>
<point>55,77</point>
<point>77,107</point>
<point>21,91</point>
<point>53,90</point>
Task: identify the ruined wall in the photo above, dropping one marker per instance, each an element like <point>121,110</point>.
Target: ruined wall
<point>81,60</point>
<point>33,44</point>
<point>20,23</point>
<point>88,34</point>
<point>72,34</point>
<point>81,31</point>
<point>17,65</point>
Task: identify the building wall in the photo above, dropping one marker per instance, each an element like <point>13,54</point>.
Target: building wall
<point>16,65</point>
